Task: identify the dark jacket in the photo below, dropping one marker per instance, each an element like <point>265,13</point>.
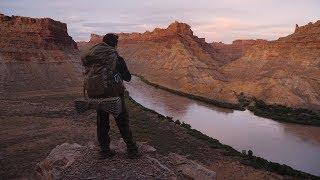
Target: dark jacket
<point>123,69</point>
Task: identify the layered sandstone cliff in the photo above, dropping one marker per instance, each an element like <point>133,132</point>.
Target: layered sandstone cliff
<point>282,72</point>
<point>285,71</point>
<point>36,54</point>
<point>231,52</point>
<point>174,58</point>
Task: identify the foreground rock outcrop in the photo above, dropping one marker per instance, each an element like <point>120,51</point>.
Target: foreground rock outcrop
<point>82,162</point>
<point>36,54</point>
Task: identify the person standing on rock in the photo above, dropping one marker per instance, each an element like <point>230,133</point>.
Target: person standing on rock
<point>105,70</point>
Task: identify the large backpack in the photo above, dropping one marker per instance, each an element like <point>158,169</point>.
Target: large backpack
<point>101,79</point>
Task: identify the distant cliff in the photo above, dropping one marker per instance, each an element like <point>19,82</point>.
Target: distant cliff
<point>24,38</point>
<point>284,71</point>
<point>231,52</point>
<point>36,54</point>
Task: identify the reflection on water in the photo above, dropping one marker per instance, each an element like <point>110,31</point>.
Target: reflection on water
<point>295,145</point>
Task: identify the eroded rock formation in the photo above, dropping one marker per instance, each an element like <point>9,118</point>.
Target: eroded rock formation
<point>282,72</point>
<point>285,71</point>
<point>231,52</point>
<point>36,54</point>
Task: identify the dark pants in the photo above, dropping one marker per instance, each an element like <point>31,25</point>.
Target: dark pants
<point>122,122</point>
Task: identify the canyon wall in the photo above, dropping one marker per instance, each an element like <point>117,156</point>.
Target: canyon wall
<point>174,58</point>
<point>231,52</point>
<point>282,72</point>
<point>36,55</point>
<point>285,71</point>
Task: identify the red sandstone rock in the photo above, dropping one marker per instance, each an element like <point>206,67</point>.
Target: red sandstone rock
<point>309,33</point>
<point>231,52</point>
<point>174,29</point>
<point>36,54</point>
<point>24,38</point>
<point>284,71</point>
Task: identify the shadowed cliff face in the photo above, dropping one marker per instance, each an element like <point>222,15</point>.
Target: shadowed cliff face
<point>284,71</point>
<point>36,55</point>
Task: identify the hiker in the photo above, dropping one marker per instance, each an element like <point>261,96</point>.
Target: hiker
<point>105,70</point>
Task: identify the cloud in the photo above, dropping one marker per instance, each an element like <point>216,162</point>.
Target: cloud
<point>225,23</point>
<point>253,27</point>
<point>228,29</point>
<point>109,24</point>
<point>74,19</point>
<point>213,19</point>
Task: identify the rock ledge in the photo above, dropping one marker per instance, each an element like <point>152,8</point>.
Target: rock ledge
<point>73,161</point>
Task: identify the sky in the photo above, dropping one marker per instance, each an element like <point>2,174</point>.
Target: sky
<point>215,20</point>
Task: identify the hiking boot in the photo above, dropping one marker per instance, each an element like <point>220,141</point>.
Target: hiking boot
<point>133,154</point>
<point>105,154</point>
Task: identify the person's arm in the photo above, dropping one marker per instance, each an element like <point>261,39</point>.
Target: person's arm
<point>123,69</point>
<point>84,60</point>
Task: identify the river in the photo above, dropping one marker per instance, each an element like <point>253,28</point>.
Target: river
<point>295,145</point>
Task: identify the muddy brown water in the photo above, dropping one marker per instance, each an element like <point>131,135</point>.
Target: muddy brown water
<point>295,145</point>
